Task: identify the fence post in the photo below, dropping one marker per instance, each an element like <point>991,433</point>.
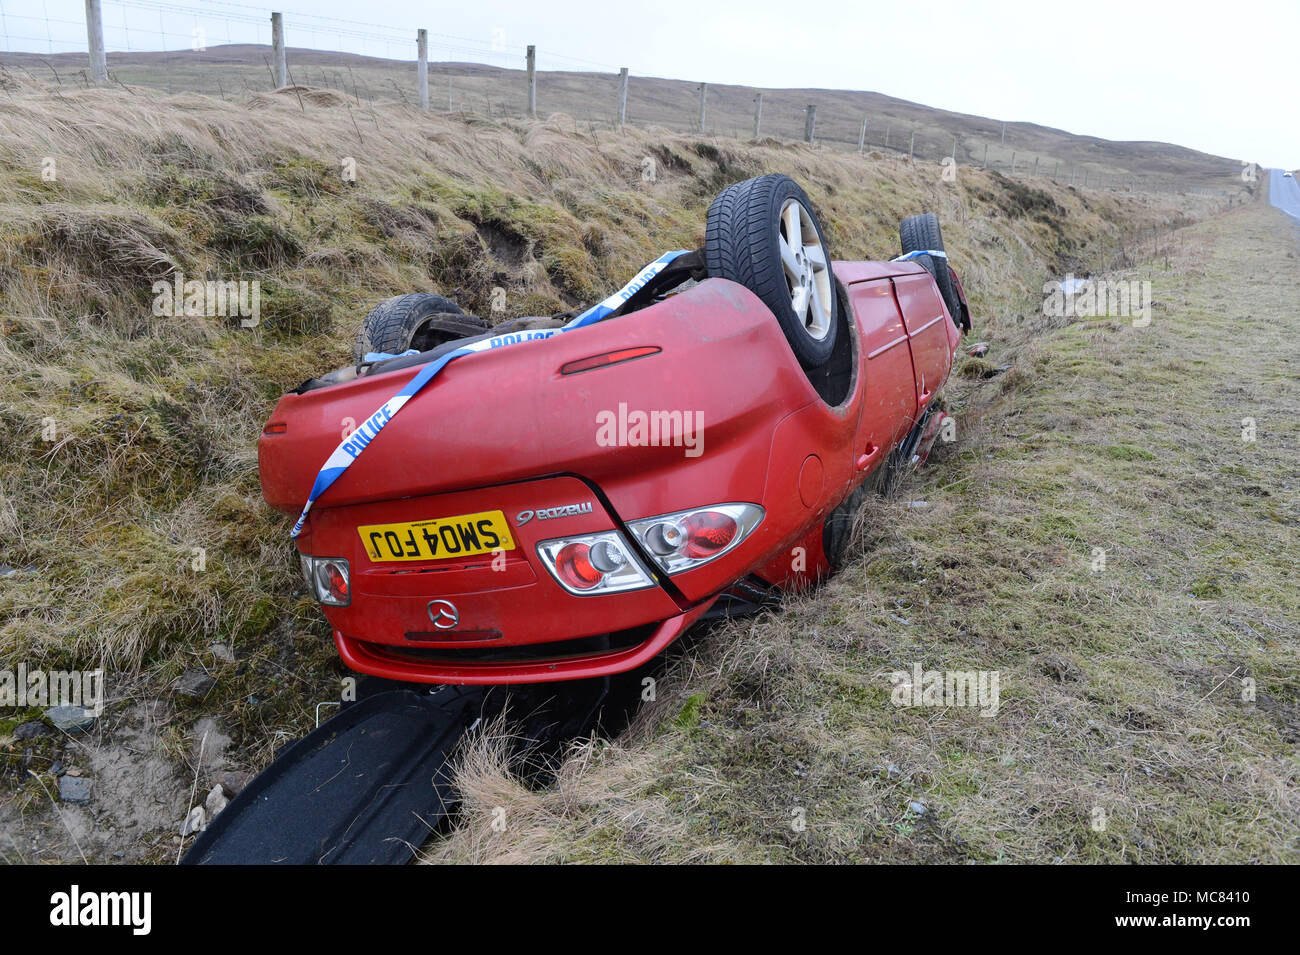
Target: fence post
<point>704,99</point>
<point>809,123</point>
<point>986,155</point>
<point>622,97</point>
<point>277,47</point>
<point>1004,134</point>
<point>911,147</point>
<point>422,69</point>
<point>862,137</point>
<point>1035,165</point>
<point>758,114</point>
<point>450,107</point>
<point>532,81</point>
<point>1057,170</point>
<point>887,137</point>
<point>95,42</point>
<point>1013,162</point>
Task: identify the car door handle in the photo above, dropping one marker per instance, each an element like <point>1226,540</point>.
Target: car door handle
<point>867,457</point>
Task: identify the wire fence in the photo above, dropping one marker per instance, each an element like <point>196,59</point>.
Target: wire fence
<point>226,48</point>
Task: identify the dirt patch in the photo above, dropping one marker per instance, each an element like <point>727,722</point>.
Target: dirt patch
<point>137,803</point>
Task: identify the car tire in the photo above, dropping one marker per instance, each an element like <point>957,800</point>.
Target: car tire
<point>419,320</point>
<point>922,233</point>
<point>747,241</point>
<point>837,532</point>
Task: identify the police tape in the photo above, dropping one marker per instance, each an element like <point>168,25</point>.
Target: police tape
<point>939,254</point>
<point>355,443</point>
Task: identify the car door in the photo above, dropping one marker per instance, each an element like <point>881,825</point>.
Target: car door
<point>927,330</point>
<point>889,381</point>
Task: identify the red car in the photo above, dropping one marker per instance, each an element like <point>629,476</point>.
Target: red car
<point>569,505</point>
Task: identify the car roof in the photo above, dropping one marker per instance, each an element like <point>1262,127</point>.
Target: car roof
<point>850,272</point>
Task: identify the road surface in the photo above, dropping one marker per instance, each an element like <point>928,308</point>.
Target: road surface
<point>1284,193</point>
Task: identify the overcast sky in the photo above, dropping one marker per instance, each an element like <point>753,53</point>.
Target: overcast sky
<point>1221,77</point>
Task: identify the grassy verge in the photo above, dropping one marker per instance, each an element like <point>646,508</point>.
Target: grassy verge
<point>1103,535</point>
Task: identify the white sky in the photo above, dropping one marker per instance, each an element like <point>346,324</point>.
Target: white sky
<point>1216,77</point>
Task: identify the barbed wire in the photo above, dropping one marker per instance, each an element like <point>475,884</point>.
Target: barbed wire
<point>320,25</point>
<point>257,16</point>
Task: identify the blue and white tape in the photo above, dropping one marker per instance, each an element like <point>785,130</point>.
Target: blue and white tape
<point>373,356</point>
<point>940,254</point>
<point>351,447</point>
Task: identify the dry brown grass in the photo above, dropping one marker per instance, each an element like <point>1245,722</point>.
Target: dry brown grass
<point>586,101</point>
<point>505,822</point>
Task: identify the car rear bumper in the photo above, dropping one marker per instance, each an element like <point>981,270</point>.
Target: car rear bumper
<point>400,663</point>
<point>484,605</point>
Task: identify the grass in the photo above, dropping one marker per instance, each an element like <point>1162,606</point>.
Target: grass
<point>1150,707</point>
<point>586,101</point>
<point>129,497</point>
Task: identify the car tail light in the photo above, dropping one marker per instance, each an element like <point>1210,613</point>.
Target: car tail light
<point>708,533</point>
<point>687,539</point>
<point>328,578</point>
<point>594,563</point>
<point>573,564</point>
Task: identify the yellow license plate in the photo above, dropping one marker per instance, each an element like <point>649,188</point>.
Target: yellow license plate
<point>464,535</point>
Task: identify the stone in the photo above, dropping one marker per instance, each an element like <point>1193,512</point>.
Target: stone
<point>70,719</point>
<point>216,801</point>
<point>233,782</point>
<point>75,790</point>
<point>222,652</point>
<point>33,730</point>
<point>194,685</point>
<point>194,822</point>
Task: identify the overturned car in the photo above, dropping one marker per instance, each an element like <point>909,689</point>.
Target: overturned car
<point>564,498</point>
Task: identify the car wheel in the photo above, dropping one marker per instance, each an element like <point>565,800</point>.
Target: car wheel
<point>922,233</point>
<point>419,320</point>
<point>764,234</point>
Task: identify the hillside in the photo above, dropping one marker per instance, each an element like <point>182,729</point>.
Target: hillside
<point>590,99</point>
<point>134,535</point>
